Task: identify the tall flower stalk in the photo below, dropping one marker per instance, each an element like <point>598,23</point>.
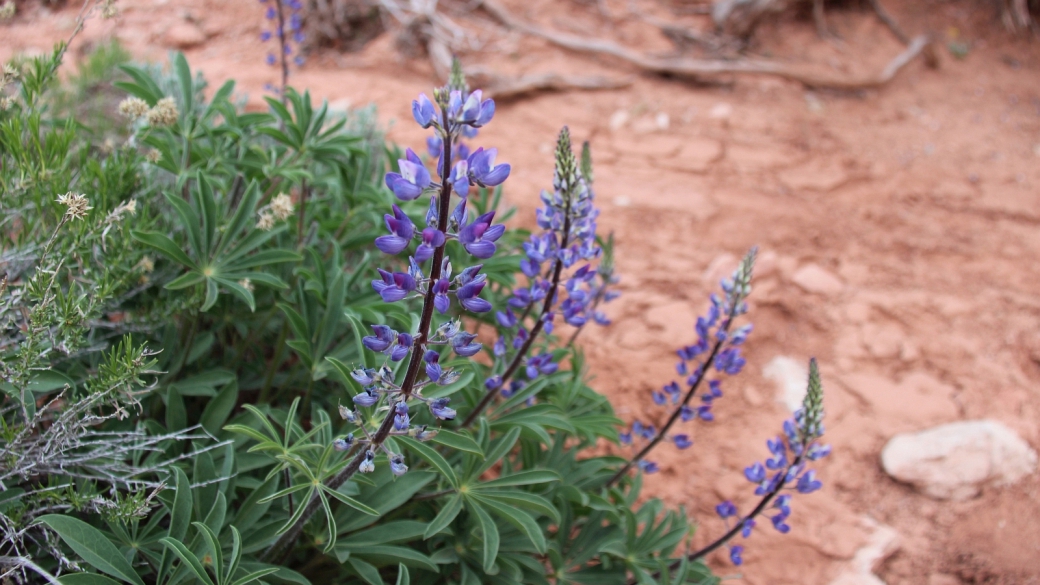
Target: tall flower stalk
<point>722,350</point>
<point>568,221</point>
<point>453,112</point>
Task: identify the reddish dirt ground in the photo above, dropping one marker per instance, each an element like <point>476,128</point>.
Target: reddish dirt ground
<point>897,227</point>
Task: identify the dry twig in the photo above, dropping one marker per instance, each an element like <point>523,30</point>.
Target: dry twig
<point>706,67</point>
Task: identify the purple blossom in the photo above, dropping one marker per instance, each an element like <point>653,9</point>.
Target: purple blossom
<point>432,238</point>
<point>397,466</point>
<point>726,509</point>
<point>470,284</point>
<point>808,483</point>
<point>483,170</point>
<point>439,408</point>
<point>479,237</point>
<point>381,340</point>
<point>401,419</point>
<point>493,383</point>
<point>401,231</point>
<point>755,473</point>
<point>413,178</point>
<point>393,287</point>
<point>367,397</point>
<point>440,295</point>
<point>682,441</point>
<point>422,111</point>
<point>433,367</point>
<point>735,553</point>
<point>462,344</point>
<point>648,467</point>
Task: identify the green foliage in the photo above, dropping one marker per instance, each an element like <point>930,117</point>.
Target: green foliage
<point>192,330</point>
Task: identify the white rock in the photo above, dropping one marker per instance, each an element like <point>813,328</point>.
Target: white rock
<point>791,377</point>
<point>860,570</point>
<point>953,461</point>
<point>815,279</point>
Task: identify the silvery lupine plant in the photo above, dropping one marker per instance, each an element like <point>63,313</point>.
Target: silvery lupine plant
<point>453,113</point>
<point>568,237</point>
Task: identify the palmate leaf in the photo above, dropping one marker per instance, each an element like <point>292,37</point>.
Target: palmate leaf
<point>432,457</point>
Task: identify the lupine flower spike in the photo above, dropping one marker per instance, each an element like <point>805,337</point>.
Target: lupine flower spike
<point>716,353</point>
<point>452,114</point>
<point>568,221</point>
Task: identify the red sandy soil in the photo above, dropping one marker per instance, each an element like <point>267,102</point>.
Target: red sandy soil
<point>919,201</point>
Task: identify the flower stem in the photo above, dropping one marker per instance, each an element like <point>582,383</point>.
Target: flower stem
<point>283,58</point>
<point>283,546</point>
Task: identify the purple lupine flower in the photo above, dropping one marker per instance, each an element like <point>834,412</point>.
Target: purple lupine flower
<point>479,237</point>
<point>433,367</point>
<point>493,383</point>
<point>756,473</point>
<point>499,349</point>
<point>729,361</point>
<point>402,347</point>
<point>432,238</point>
<point>625,438</point>
<point>401,231</point>
<point>441,302</point>
<point>413,178</point>
<point>682,441</point>
<point>470,284</point>
<point>648,467</point>
<point>686,413</point>
<point>422,111</point>
<point>369,463</point>
<point>735,553</point>
<point>381,340</point>
<point>364,376</point>
<point>746,527</point>
<point>808,483</point>
<point>507,319</point>
<point>401,419</point>
<point>439,408</point>
<point>714,389</point>
<point>459,178</point>
<point>726,509</point>
<point>344,443</point>
<point>818,452</point>
<point>659,398</point>
<point>540,364</point>
<point>484,171</point>
<point>393,286</point>
<point>366,398</point>
<point>462,344</point>
<point>397,466</point>
<point>779,522</point>
<point>475,112</point>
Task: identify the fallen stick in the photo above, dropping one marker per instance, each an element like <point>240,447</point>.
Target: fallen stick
<point>706,67</point>
<point>503,88</point>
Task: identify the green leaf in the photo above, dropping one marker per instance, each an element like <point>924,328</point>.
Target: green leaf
<point>490,532</point>
<point>185,280</point>
<point>165,246</point>
<point>383,555</point>
<point>180,516</point>
<point>366,571</point>
<point>192,224</point>
<point>499,450</point>
<point>445,516</point>
<point>188,558</point>
<point>255,576</point>
<point>92,546</point>
<point>204,384</point>
<point>519,499</point>
<point>86,579</point>
<point>528,477</point>
<point>433,458</point>
<point>403,578</point>
<point>219,408</point>
<point>180,64</point>
<point>457,441</point>
<point>517,518</point>
<point>176,413</point>
<point>352,502</point>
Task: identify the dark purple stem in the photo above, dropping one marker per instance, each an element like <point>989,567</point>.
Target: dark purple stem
<point>283,58</point>
<point>281,548</point>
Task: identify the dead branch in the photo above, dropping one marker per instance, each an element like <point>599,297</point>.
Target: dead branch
<point>706,67</point>
<point>888,21</point>
<point>502,88</point>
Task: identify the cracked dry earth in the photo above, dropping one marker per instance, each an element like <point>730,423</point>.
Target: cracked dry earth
<point>898,229</point>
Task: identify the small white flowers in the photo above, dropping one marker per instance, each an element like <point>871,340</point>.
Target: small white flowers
<point>146,264</point>
<point>266,221</point>
<point>6,103</point>
<point>280,209</point>
<point>108,9</point>
<point>7,10</point>
<point>246,284</point>
<point>282,206</point>
<point>133,107</point>
<point>153,155</point>
<point>76,203</point>
<point>165,113</point>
